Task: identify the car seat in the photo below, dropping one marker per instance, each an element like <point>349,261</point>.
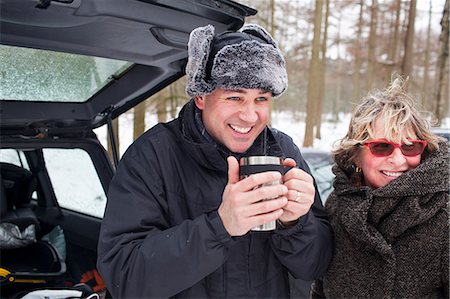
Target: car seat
<point>18,185</point>
<point>23,263</point>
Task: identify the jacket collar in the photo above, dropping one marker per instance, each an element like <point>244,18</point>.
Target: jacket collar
<point>377,217</point>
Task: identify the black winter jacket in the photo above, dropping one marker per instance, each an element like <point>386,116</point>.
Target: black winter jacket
<point>162,237</point>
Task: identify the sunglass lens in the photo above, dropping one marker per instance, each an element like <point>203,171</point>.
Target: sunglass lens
<point>381,148</point>
<point>413,149</point>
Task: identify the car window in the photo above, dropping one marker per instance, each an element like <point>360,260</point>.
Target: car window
<point>41,75</point>
<point>75,181</point>
<point>14,156</point>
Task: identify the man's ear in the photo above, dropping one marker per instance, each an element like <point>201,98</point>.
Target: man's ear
<point>200,102</point>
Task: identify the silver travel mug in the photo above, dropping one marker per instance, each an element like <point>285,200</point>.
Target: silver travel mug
<point>256,164</point>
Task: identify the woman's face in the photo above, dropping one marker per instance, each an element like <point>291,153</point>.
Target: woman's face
<point>379,171</point>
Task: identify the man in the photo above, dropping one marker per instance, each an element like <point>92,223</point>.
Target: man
<point>178,220</point>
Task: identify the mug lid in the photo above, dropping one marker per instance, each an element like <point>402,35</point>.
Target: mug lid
<point>260,160</point>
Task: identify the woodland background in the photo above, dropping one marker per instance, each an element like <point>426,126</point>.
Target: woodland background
<point>338,50</point>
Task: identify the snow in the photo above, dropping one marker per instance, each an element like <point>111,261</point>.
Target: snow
<point>287,122</point>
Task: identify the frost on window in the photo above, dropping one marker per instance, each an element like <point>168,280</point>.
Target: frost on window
<point>39,75</point>
<point>75,181</point>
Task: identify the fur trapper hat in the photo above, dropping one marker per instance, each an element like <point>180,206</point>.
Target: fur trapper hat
<point>249,58</point>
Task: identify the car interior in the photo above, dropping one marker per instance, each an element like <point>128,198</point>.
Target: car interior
<point>26,256</point>
<point>69,67</point>
<point>43,244</point>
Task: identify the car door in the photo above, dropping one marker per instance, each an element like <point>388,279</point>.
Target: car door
<point>73,175</point>
<point>69,67</point>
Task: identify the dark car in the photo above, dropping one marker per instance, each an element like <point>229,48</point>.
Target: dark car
<point>442,132</point>
<point>320,164</point>
<point>67,67</point>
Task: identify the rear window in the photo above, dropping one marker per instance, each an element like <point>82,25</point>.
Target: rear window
<point>40,75</point>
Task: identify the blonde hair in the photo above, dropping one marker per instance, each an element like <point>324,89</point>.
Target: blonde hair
<point>396,109</point>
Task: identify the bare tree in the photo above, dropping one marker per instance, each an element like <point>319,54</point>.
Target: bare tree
<point>427,58</point>
<point>442,61</point>
<point>407,63</point>
<point>392,63</point>
<point>372,61</point>
<point>337,98</point>
<point>272,17</point>
<point>173,99</point>
<point>313,80</point>
<point>272,32</point>
<point>292,28</point>
<point>161,104</point>
<point>358,53</point>
<point>323,63</point>
<point>139,119</point>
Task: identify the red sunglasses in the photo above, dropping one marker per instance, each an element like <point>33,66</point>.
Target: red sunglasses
<point>383,148</point>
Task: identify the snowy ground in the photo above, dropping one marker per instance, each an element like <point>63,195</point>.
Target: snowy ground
<point>290,123</point>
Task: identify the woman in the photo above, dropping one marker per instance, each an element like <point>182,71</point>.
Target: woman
<point>389,209</point>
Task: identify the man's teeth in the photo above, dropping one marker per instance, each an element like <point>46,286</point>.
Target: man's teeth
<point>393,174</point>
<point>241,130</point>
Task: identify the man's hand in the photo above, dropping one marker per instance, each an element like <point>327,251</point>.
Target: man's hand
<point>300,195</point>
<point>242,206</point>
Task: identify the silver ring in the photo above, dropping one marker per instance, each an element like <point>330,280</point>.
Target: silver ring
<point>298,196</point>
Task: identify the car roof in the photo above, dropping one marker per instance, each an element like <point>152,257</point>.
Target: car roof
<point>145,41</point>
<point>443,132</point>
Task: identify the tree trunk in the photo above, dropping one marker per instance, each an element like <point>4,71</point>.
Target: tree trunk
<point>393,49</point>
<point>139,120</point>
<point>272,32</point>
<point>161,105</point>
<point>383,32</point>
<point>313,79</point>
<point>272,17</point>
<point>356,92</point>
<point>407,63</point>
<point>426,60</point>
<point>371,65</point>
<point>337,98</point>
<point>323,65</point>
<point>442,61</point>
<point>173,100</point>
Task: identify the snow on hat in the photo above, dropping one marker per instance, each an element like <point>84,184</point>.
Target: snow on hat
<point>249,58</point>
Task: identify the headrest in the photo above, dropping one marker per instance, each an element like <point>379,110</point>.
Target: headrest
<point>19,184</point>
<point>3,200</point>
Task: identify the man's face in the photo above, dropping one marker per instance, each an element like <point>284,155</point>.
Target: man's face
<point>235,118</point>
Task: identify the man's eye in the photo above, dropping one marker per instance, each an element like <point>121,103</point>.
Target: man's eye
<point>233,98</point>
<point>261,99</point>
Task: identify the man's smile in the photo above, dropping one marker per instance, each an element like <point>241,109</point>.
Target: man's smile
<point>242,130</point>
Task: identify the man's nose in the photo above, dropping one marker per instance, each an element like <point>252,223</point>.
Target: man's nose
<point>248,113</point>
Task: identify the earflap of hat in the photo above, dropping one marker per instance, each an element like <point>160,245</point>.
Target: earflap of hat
<point>260,32</point>
<point>198,51</point>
